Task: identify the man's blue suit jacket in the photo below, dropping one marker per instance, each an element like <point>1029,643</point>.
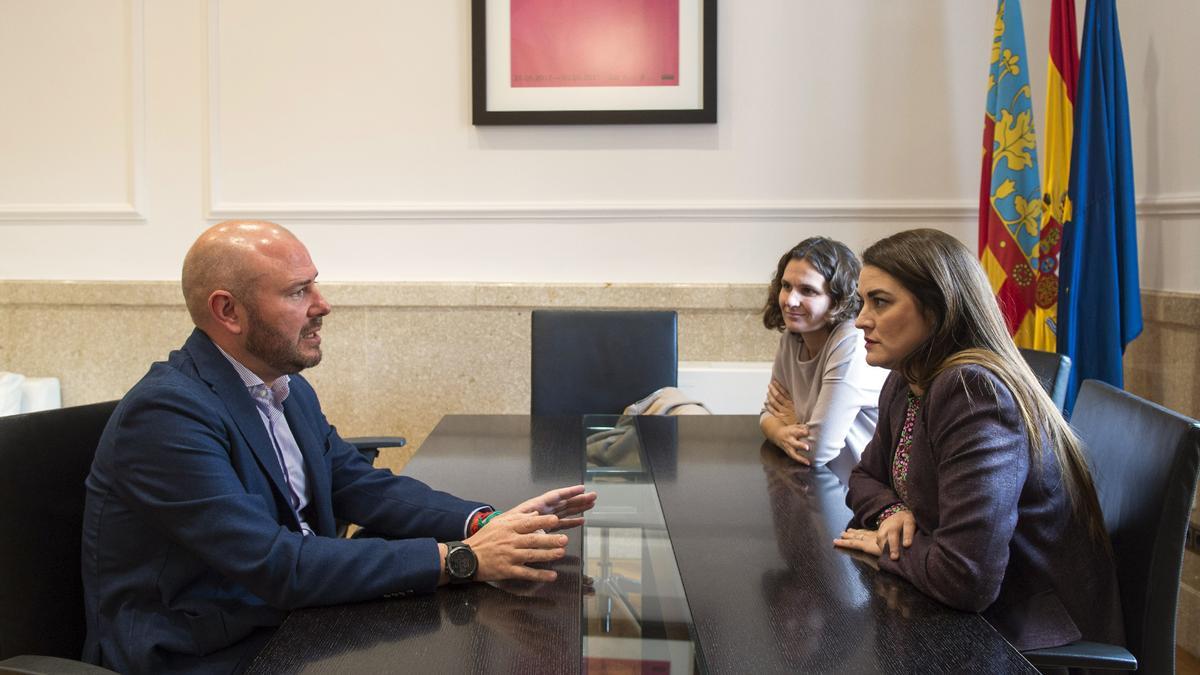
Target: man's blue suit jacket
<point>191,550</point>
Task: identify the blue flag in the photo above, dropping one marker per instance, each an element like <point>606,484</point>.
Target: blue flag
<point>1099,303</point>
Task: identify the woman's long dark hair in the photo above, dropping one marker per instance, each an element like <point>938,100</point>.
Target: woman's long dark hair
<point>967,328</point>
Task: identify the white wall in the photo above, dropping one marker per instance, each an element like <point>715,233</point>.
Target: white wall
<point>129,125</point>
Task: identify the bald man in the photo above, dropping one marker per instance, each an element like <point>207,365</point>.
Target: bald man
<point>212,498</point>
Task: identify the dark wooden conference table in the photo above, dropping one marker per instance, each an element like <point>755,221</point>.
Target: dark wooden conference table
<point>708,552</point>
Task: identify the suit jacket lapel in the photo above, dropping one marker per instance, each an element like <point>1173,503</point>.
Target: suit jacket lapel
<point>215,370</point>
<point>319,513</point>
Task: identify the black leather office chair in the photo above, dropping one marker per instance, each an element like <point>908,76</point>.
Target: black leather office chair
<point>588,362</point>
<point>44,459</point>
<point>1144,460</point>
<point>1053,371</point>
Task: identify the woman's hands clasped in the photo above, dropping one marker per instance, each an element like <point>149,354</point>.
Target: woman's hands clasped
<point>512,540</point>
<point>780,404</point>
<point>788,434</point>
<point>894,533</point>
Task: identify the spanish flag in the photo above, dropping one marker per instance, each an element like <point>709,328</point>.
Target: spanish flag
<point>1010,192</point>
<point>1062,74</point>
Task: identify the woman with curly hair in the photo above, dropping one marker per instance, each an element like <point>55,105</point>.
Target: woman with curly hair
<point>822,401</point>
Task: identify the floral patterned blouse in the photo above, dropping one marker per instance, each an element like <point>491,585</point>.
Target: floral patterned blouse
<point>900,459</point>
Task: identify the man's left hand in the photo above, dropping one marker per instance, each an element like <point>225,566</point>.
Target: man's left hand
<point>566,503</point>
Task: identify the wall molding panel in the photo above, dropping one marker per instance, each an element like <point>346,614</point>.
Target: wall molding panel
<point>134,208</point>
<point>212,123</point>
<point>902,211</point>
<point>1184,205</point>
<point>710,211</point>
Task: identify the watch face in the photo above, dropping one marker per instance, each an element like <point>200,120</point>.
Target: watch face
<point>461,563</point>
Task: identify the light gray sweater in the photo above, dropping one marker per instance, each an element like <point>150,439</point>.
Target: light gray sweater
<point>835,393</point>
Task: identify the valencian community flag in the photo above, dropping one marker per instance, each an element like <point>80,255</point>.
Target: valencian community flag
<point>1010,193</point>
<point>1062,73</point>
<point>1099,303</point>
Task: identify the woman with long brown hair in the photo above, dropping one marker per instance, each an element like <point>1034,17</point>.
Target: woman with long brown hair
<point>974,488</point>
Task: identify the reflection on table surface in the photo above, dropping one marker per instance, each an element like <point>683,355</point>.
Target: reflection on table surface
<point>638,620</point>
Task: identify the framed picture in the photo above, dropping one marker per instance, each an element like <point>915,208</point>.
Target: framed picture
<point>593,61</point>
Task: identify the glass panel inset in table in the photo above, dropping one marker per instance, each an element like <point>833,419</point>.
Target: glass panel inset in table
<point>637,620</point>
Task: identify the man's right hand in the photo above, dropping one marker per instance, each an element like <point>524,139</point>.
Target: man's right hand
<point>510,542</point>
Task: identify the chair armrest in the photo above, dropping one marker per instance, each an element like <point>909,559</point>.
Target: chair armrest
<point>37,665</point>
<point>1083,654</point>
<point>369,445</point>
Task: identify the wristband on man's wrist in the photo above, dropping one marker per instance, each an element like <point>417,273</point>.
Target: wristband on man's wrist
<point>476,521</point>
<point>481,518</point>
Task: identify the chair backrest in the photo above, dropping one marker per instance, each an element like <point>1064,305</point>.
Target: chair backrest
<point>1053,371</point>
<point>600,361</point>
<point>44,459</point>
<point>1144,460</point>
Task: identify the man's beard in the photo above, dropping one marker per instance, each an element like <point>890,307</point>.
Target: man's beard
<point>280,352</point>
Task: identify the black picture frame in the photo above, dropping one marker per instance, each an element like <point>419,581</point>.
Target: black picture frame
<point>622,106</point>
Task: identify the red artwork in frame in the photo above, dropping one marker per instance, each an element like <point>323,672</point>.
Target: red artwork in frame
<point>574,43</point>
<point>593,61</point>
